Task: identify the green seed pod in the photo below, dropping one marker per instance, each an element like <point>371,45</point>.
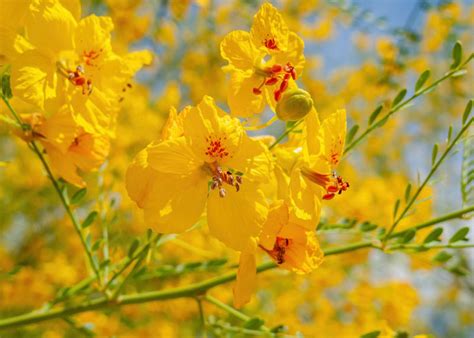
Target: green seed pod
<point>294,105</point>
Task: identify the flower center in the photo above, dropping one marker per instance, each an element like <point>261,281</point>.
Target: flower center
<point>90,56</point>
<point>220,178</point>
<point>216,147</point>
<point>274,75</point>
<point>279,249</point>
<point>270,43</point>
<point>332,183</point>
<point>76,77</point>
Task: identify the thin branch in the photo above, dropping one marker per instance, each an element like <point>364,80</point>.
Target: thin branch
<point>403,104</point>
<point>191,291</point>
<point>427,178</point>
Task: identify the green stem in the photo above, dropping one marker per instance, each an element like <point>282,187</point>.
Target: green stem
<point>130,260</point>
<point>244,331</point>
<point>201,316</point>
<point>283,135</point>
<point>15,115</point>
<point>127,277</point>
<point>402,104</point>
<point>104,225</point>
<point>191,291</point>
<point>441,219</point>
<point>348,248</point>
<point>426,180</point>
<point>430,246</point>
<point>33,146</point>
<point>227,308</point>
<point>66,206</point>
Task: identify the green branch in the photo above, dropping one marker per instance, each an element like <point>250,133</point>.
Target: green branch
<point>129,260</point>
<point>191,291</point>
<point>283,135</point>
<point>430,246</point>
<point>227,308</point>
<point>403,104</point>
<point>434,221</point>
<point>34,147</point>
<point>427,178</point>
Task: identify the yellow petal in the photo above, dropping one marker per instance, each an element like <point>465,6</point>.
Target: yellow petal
<point>140,178</point>
<point>62,166</point>
<point>304,254</point>
<point>50,26</point>
<point>173,157</point>
<point>269,24</point>
<point>173,127</point>
<point>312,133</point>
<point>276,220</point>
<point>240,97</point>
<point>113,73</point>
<point>239,51</point>
<point>13,13</point>
<point>333,131</point>
<point>246,281</point>
<point>93,34</point>
<point>294,54</point>
<point>208,123</point>
<point>34,78</point>
<point>253,159</point>
<point>94,112</point>
<point>60,129</point>
<point>175,202</point>
<point>305,206</point>
<point>89,151</point>
<point>237,218</point>
<point>73,6</point>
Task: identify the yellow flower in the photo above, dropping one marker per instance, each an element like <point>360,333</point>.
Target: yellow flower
<point>11,20</point>
<point>211,162</point>
<point>72,62</point>
<point>291,245</point>
<point>254,80</point>
<point>68,145</point>
<point>288,243</point>
<point>324,152</point>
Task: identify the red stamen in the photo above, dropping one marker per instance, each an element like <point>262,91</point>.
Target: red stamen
<point>271,81</point>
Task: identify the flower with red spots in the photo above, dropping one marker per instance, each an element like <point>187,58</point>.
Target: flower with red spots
<point>325,152</point>
<point>206,161</point>
<point>263,63</point>
<point>69,60</point>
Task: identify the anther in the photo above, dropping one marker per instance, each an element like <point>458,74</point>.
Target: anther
<point>271,81</point>
<point>277,95</point>
<point>276,68</point>
<point>222,192</point>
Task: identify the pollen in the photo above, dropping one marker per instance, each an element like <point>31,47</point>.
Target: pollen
<point>216,147</point>
<point>90,56</point>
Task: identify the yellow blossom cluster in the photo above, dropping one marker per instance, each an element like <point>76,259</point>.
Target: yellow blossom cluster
<point>231,148</point>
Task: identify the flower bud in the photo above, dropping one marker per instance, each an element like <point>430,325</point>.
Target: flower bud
<point>293,105</point>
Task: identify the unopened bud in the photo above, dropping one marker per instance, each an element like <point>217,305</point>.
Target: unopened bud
<point>294,104</point>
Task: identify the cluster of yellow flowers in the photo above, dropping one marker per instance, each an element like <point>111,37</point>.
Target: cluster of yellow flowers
<point>253,198</point>
<point>64,67</point>
<point>227,193</point>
